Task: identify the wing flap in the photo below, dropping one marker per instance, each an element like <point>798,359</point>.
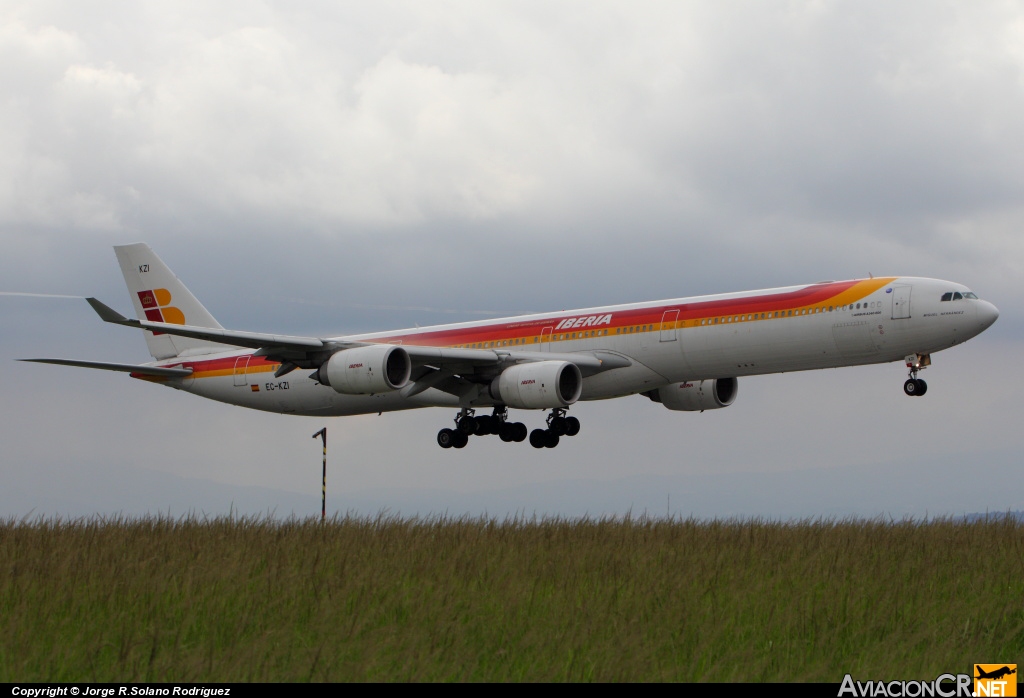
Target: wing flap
<point>589,362</point>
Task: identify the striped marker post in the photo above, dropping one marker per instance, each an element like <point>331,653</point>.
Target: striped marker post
<point>323,492</point>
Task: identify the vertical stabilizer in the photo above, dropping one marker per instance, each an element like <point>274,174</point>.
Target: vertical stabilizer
<point>158,295</point>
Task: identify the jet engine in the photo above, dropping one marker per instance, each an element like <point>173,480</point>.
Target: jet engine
<point>366,370</point>
<point>539,385</point>
<point>691,396</point>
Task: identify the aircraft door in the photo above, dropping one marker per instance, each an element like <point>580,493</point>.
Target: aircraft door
<point>545,338</point>
<point>241,369</point>
<point>668,325</point>
<point>901,302</point>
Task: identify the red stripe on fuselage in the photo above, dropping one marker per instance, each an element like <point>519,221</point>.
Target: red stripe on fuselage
<point>809,295</point>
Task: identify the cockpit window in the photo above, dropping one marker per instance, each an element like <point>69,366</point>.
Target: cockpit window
<point>947,296</point>
<point>958,296</point>
<point>971,295</point>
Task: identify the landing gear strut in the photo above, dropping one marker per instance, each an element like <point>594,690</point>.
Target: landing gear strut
<point>915,387</point>
<point>558,426</point>
<point>468,424</point>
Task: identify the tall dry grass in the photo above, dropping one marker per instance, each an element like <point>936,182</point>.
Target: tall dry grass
<point>458,599</point>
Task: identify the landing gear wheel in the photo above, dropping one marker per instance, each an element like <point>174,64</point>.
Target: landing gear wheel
<point>487,425</point>
<point>508,432</point>
<point>469,425</point>
<point>521,432</point>
<point>572,426</point>
<point>558,426</point>
<point>538,438</point>
<point>446,438</point>
<point>916,363</point>
<point>460,439</point>
<point>550,439</point>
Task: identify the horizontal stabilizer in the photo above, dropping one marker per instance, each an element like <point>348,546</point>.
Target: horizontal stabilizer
<point>124,368</point>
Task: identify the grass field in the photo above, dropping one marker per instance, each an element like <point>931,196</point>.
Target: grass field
<point>482,600</point>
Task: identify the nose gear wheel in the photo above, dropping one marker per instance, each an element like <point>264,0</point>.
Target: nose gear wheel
<point>914,386</point>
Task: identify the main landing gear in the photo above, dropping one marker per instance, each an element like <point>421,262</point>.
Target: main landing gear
<point>915,386</point>
<point>467,425</point>
<point>558,426</point>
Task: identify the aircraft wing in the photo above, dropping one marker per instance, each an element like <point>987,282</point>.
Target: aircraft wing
<point>311,352</point>
<point>253,340</point>
<point>125,368</point>
<point>455,371</point>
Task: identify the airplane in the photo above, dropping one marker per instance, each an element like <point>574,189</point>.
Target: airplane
<point>996,673</point>
<point>686,353</point>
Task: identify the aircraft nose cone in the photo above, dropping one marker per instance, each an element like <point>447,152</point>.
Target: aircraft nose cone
<point>987,314</point>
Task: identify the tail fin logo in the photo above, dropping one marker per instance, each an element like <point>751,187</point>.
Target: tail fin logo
<point>157,306</point>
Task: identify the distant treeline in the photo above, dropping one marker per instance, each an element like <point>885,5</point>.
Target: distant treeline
<point>1017,516</point>
<point>633,599</point>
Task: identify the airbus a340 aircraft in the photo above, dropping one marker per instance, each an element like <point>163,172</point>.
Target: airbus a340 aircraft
<point>685,353</point>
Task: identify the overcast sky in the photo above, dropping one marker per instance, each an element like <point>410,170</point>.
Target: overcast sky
<point>342,167</point>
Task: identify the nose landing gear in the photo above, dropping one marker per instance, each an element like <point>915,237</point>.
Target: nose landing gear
<point>914,386</point>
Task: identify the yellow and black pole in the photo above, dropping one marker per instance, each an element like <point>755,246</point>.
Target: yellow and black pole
<point>323,496</point>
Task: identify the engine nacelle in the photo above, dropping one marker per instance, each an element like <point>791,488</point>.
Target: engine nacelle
<point>540,385</point>
<point>379,368</point>
<point>691,396</point>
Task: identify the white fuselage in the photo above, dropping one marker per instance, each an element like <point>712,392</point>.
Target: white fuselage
<point>797,328</point>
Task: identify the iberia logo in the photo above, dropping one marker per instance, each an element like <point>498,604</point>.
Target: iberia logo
<point>995,679</point>
<point>157,306</point>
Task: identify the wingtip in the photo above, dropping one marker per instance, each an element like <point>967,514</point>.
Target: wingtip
<point>106,313</point>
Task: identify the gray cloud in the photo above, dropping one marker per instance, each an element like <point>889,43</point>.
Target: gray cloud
<point>336,168</point>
